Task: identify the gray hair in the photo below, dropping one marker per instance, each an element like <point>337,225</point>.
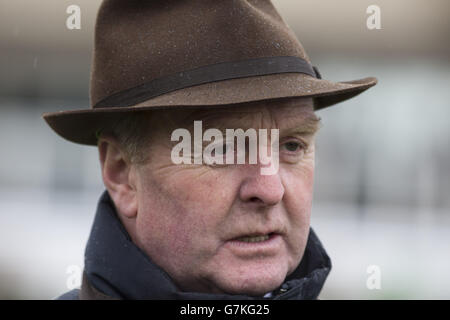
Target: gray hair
<point>132,134</point>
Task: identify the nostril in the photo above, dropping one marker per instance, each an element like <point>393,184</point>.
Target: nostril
<point>255,199</point>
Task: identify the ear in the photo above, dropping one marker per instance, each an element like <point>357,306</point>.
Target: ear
<point>118,176</point>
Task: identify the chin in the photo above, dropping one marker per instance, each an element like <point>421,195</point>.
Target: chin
<point>253,280</point>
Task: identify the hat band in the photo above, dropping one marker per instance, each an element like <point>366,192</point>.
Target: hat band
<point>207,74</point>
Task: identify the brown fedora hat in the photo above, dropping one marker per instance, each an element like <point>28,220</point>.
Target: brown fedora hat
<point>177,54</point>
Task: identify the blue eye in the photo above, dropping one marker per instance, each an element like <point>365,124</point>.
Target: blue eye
<point>292,146</point>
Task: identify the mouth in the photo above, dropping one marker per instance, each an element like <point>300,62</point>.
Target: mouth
<point>255,245</point>
<point>255,238</point>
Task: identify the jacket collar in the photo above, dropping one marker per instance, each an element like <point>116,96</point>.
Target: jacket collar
<point>119,269</point>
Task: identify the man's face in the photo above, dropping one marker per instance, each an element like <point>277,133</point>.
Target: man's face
<point>194,220</point>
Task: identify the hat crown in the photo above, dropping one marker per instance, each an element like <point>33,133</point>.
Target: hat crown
<point>138,41</point>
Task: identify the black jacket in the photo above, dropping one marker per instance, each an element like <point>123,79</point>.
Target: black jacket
<point>115,268</point>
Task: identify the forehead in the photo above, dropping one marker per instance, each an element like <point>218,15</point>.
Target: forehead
<point>282,114</point>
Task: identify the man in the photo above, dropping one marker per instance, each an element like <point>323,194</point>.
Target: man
<point>175,221</point>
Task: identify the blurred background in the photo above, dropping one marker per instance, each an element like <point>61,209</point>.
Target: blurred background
<point>382,190</point>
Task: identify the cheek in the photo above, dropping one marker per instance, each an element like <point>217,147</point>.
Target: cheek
<point>299,182</point>
<point>176,218</point>
<point>298,200</point>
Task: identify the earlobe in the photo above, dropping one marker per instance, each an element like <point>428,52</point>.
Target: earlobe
<point>118,177</point>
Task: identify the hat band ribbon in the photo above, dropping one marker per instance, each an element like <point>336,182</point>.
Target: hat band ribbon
<point>207,74</point>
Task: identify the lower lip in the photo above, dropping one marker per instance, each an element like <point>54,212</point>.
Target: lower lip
<point>268,246</point>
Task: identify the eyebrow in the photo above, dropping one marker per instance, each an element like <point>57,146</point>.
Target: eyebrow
<point>309,125</point>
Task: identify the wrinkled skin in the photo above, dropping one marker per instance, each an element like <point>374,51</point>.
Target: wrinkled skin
<point>187,218</point>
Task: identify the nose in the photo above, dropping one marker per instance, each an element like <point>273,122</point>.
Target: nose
<point>265,190</point>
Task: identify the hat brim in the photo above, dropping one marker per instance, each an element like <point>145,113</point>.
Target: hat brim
<point>81,126</point>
